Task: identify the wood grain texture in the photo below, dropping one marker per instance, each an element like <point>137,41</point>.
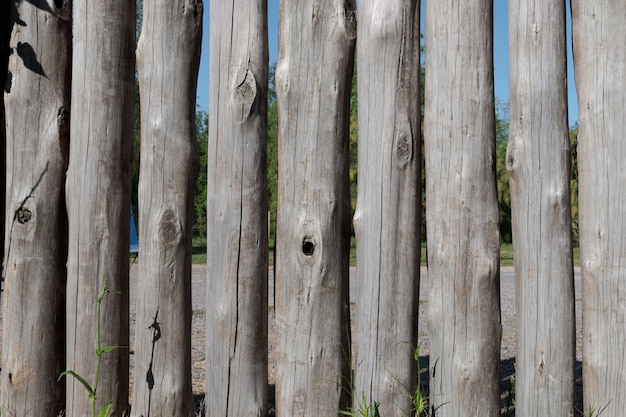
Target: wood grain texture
<point>168,56</point>
<point>538,165</point>
<point>237,333</point>
<point>388,210</point>
<point>462,210</point>
<point>313,80</point>
<point>37,116</point>
<point>98,198</point>
<point>599,31</point>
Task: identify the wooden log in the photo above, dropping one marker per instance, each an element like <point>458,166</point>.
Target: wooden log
<point>313,80</point>
<point>98,199</point>
<point>462,210</point>
<point>37,119</point>
<point>538,165</point>
<point>168,54</point>
<point>599,31</point>
<point>388,214</point>
<point>237,243</point>
<point>5,50</point>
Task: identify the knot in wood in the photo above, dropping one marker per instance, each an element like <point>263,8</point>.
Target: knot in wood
<point>23,215</point>
<point>169,229</point>
<point>308,246</point>
<point>404,148</point>
<point>245,94</point>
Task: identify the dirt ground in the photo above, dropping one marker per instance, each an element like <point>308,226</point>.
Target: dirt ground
<point>199,331</point>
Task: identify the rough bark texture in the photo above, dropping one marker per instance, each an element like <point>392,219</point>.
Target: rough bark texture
<point>98,199</point>
<point>237,210</point>
<point>313,79</point>
<point>168,55</point>
<point>462,211</point>
<point>538,164</point>
<point>37,116</point>
<point>599,30</point>
<point>388,210</point>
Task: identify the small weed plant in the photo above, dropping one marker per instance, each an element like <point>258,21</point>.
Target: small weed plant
<point>366,409</point>
<point>593,411</point>
<point>92,390</point>
<point>420,402</point>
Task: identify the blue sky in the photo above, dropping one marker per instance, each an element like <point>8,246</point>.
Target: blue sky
<point>500,46</point>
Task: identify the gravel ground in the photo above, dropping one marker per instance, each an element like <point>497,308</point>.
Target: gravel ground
<point>508,326</point>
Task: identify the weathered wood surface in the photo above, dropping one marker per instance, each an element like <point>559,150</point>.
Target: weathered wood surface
<point>98,198</point>
<point>168,55</point>
<point>538,165</point>
<point>37,119</point>
<point>599,31</point>
<point>313,79</point>
<point>462,212</point>
<point>387,218</point>
<point>237,210</point>
<point>5,35</point>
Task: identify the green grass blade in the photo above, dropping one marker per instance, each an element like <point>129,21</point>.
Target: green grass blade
<point>106,410</point>
<point>80,379</point>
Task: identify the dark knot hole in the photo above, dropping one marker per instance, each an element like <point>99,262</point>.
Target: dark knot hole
<point>308,247</point>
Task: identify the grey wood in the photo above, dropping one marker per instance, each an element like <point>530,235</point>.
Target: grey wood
<point>168,54</point>
<point>98,199</point>
<point>599,31</point>
<point>538,164</point>
<point>313,80</point>
<point>462,210</point>
<point>237,326</point>
<point>388,214</point>
<point>37,121</point>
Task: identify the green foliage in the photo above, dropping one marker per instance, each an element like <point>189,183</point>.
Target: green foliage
<point>200,194</point>
<point>92,390</point>
<point>272,151</point>
<point>502,178</point>
<point>573,138</point>
<point>366,409</point>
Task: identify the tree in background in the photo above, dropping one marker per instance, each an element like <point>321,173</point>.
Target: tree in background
<point>502,178</point>
<point>573,137</point>
<point>200,196</point>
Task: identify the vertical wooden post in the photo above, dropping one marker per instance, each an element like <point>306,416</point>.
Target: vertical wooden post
<point>599,30</point>
<point>5,50</point>
<point>387,219</point>
<point>462,212</point>
<point>313,79</point>
<point>37,120</point>
<point>168,54</point>
<point>98,199</point>
<point>237,240</point>
<point>538,165</point>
